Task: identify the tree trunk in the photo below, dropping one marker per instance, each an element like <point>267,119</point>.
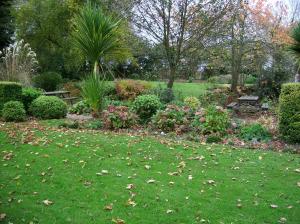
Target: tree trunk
<point>96,68</point>
<point>172,76</point>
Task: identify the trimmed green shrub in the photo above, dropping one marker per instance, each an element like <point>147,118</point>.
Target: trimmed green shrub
<point>146,106</point>
<point>289,112</point>
<point>13,111</point>
<point>49,81</point>
<point>9,91</point>
<point>48,107</point>
<point>29,94</point>
<point>213,120</point>
<point>254,132</point>
<point>192,102</point>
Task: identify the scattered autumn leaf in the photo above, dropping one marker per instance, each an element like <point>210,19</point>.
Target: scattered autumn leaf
<point>108,207</point>
<point>47,202</point>
<point>2,216</point>
<point>118,221</point>
<point>151,181</point>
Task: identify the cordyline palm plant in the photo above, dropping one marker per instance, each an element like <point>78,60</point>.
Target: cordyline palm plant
<point>295,47</point>
<point>97,36</point>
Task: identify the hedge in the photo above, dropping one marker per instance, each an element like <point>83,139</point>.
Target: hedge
<point>9,91</point>
<point>289,112</point>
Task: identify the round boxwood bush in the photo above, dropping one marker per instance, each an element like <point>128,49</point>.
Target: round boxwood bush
<point>13,111</point>
<point>29,94</point>
<point>289,112</point>
<point>146,106</point>
<point>48,81</point>
<point>48,107</point>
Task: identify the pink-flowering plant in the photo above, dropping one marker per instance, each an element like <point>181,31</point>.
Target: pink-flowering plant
<point>117,117</point>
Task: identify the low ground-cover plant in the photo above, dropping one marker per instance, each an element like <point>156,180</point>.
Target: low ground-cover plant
<point>29,94</point>
<point>145,106</point>
<point>128,89</point>
<point>94,124</point>
<point>254,131</point>
<point>80,107</point>
<point>48,107</point>
<point>117,117</point>
<point>13,111</point>
<point>172,118</point>
<point>69,124</point>
<point>192,102</point>
<point>9,91</point>
<point>212,120</point>
<point>213,139</point>
<point>48,81</point>
<point>289,112</point>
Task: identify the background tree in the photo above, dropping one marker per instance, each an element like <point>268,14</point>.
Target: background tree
<point>46,26</point>
<point>6,23</point>
<point>173,23</point>
<point>295,47</point>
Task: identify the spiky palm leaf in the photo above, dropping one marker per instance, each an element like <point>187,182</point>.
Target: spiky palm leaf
<point>97,35</point>
<point>295,47</point>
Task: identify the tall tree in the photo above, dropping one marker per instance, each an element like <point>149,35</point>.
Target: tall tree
<point>6,23</point>
<point>174,24</point>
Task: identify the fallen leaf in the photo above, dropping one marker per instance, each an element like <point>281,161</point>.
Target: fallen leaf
<point>2,216</point>
<point>211,182</point>
<point>274,206</point>
<point>104,171</point>
<point>47,202</point>
<point>108,207</point>
<point>118,221</point>
<point>8,156</point>
<point>130,186</point>
<point>282,220</point>
<point>151,181</point>
<point>239,205</point>
<point>169,211</point>
<point>298,184</point>
<point>147,167</point>
<point>131,202</point>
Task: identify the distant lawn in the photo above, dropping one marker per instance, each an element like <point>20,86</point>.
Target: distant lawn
<point>188,89</point>
<point>88,175</point>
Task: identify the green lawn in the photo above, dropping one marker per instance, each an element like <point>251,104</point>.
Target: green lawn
<point>183,89</point>
<point>188,89</point>
<point>82,172</point>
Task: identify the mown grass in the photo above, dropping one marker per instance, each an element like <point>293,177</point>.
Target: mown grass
<point>213,184</point>
<point>182,89</point>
